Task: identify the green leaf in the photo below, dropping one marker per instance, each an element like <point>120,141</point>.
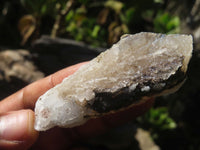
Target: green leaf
<point>96,31</point>
<point>159,118</point>
<point>69,16</point>
<point>130,14</point>
<point>166,23</point>
<point>173,23</point>
<point>71,27</point>
<point>44,9</point>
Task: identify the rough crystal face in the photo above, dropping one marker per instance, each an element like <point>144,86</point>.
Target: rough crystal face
<point>139,65</point>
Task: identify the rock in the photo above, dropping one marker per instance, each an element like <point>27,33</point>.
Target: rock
<point>137,67</point>
<point>16,71</point>
<point>61,52</point>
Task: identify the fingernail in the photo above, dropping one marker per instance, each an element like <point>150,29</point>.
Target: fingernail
<point>14,126</point>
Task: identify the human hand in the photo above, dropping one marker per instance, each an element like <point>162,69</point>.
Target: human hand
<point>17,118</point>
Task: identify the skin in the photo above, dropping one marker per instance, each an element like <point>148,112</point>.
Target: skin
<point>17,118</point>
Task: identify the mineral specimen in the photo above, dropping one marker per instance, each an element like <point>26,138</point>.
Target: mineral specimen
<point>138,66</point>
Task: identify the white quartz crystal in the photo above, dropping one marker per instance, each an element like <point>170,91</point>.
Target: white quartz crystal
<point>134,62</point>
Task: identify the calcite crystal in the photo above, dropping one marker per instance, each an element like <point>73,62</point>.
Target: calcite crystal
<point>138,66</point>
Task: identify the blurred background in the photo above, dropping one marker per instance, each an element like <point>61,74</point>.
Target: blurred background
<point>39,37</point>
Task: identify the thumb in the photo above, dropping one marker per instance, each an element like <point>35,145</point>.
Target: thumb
<point>17,130</point>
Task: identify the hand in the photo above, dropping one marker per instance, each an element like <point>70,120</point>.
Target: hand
<point>17,118</point>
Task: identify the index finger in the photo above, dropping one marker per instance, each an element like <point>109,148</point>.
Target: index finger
<point>26,97</point>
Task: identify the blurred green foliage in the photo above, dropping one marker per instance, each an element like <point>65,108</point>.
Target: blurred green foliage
<point>157,120</point>
<point>166,23</point>
<point>99,23</point>
<point>82,28</point>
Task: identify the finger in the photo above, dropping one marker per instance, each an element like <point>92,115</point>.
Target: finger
<point>17,130</point>
<point>101,125</point>
<point>26,98</point>
<point>53,139</point>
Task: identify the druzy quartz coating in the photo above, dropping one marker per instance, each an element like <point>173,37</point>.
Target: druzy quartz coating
<point>138,66</point>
